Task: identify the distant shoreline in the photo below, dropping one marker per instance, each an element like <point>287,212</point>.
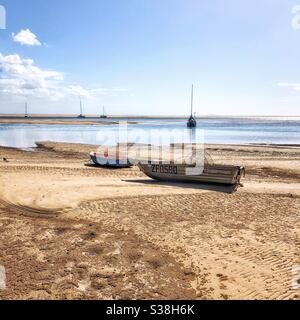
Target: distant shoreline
<point>61,121</point>
<point>51,145</point>
<point>96,119</point>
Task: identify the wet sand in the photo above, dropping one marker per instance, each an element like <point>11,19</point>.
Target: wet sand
<point>61,121</point>
<point>70,230</point>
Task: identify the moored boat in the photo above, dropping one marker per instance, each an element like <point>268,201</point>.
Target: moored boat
<point>103,115</point>
<point>81,116</point>
<point>192,123</point>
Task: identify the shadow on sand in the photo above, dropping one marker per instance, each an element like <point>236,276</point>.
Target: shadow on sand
<point>95,166</point>
<point>191,185</point>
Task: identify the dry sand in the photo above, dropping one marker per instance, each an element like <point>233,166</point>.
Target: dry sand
<point>69,230</point>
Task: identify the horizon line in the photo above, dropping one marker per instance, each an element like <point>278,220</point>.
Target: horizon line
<point>142,116</point>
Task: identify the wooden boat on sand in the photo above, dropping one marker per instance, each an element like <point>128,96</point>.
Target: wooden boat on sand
<point>212,173</point>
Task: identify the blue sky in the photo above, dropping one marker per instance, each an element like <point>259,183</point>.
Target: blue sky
<point>141,57</point>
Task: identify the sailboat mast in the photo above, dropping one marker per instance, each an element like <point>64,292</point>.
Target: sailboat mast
<point>80,107</point>
<point>192,100</point>
<point>26,110</point>
<point>192,123</point>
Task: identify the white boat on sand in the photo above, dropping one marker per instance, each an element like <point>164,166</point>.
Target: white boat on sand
<point>105,159</point>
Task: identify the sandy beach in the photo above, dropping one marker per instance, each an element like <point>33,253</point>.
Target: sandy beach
<point>70,230</point>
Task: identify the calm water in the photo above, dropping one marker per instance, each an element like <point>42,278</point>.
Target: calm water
<point>241,131</point>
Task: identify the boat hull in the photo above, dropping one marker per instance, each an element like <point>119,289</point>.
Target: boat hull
<point>109,162</point>
<point>192,123</point>
<point>218,174</point>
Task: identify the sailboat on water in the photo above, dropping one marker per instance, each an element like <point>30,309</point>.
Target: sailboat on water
<point>81,116</point>
<point>192,123</point>
<point>26,111</point>
<point>103,116</point>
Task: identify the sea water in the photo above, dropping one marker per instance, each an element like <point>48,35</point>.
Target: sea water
<point>211,130</point>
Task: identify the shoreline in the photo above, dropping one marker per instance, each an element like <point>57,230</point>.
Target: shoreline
<point>209,116</point>
<point>55,121</point>
<point>112,120</point>
<point>91,120</point>
<point>47,144</point>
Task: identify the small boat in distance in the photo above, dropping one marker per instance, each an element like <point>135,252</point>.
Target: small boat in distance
<point>81,116</point>
<point>192,123</point>
<point>26,111</point>
<point>103,116</point>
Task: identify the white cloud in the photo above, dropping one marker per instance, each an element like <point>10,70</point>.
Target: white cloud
<point>26,37</point>
<point>294,86</point>
<point>105,91</point>
<point>78,91</point>
<point>22,78</point>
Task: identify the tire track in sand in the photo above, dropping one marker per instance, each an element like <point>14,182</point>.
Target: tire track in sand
<point>241,246</point>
